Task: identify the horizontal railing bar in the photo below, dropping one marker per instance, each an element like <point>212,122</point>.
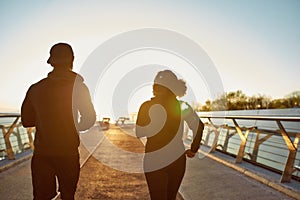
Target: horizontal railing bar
<point>10,114</point>
<point>6,125</point>
<point>254,117</point>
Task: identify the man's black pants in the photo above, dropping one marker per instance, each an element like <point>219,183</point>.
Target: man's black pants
<point>45,170</point>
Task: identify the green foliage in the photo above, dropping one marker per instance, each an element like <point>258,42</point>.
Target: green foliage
<point>239,101</point>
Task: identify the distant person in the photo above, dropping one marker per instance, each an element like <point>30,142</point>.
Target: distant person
<point>59,106</point>
<point>161,120</point>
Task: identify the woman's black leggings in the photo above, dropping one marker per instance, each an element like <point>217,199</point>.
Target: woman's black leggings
<point>164,183</point>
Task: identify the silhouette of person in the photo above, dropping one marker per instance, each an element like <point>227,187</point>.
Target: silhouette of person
<point>161,120</point>
<point>59,106</point>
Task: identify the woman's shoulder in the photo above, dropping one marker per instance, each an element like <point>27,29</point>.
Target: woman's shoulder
<point>186,108</point>
<point>185,105</point>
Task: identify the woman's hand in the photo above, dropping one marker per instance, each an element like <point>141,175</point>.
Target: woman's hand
<point>190,154</point>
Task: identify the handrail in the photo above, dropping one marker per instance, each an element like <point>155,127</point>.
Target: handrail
<point>10,115</point>
<point>8,129</point>
<point>243,133</point>
<point>255,117</point>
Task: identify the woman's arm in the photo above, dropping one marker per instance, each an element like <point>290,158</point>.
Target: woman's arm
<point>195,124</point>
<point>150,120</point>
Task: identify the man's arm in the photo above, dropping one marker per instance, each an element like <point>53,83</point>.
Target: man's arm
<point>27,112</point>
<point>86,109</point>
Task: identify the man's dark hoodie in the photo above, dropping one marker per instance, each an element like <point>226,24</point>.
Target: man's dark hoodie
<point>53,106</point>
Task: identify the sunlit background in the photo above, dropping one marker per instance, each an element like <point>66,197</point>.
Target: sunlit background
<point>253,44</point>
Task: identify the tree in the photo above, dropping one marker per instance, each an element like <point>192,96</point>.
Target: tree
<point>236,100</point>
<point>207,106</point>
<point>219,103</point>
<point>293,99</point>
<point>239,101</point>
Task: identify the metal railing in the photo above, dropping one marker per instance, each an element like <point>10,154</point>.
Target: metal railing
<point>14,138</point>
<point>268,145</point>
<point>232,134</point>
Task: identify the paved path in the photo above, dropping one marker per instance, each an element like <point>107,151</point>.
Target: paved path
<point>104,174</point>
<point>115,169</point>
<point>208,179</point>
<point>15,183</point>
<point>114,172</point>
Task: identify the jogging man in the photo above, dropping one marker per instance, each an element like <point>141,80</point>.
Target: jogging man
<point>59,106</point>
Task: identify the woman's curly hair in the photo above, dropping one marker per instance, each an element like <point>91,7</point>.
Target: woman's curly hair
<point>167,81</point>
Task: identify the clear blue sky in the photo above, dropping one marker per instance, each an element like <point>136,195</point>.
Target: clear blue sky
<point>253,44</point>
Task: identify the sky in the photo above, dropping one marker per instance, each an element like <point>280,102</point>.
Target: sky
<point>254,45</point>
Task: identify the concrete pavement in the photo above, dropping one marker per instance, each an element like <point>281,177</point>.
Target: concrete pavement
<point>207,178</point>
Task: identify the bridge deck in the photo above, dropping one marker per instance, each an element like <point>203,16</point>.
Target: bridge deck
<point>105,175</point>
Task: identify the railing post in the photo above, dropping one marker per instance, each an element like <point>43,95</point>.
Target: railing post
<point>30,138</point>
<point>228,136</point>
<point>6,135</point>
<point>185,131</point>
<point>258,142</point>
<point>216,138</point>
<point>292,146</point>
<point>256,147</point>
<point>19,139</point>
<point>243,137</point>
<point>207,135</point>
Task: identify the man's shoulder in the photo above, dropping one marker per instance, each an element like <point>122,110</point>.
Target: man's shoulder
<point>37,84</point>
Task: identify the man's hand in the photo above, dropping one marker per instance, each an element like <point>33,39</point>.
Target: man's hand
<point>190,154</point>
